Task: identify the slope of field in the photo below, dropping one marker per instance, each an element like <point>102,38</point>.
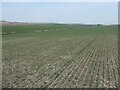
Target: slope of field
<point>60,56</point>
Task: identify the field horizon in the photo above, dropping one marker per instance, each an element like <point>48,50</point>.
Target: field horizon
<point>8,23</point>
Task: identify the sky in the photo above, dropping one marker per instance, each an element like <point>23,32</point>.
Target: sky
<point>61,12</point>
<point>60,0</point>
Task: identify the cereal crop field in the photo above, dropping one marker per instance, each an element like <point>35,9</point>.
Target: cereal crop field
<point>60,56</point>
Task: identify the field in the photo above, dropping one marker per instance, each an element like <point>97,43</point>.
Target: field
<point>60,56</point>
